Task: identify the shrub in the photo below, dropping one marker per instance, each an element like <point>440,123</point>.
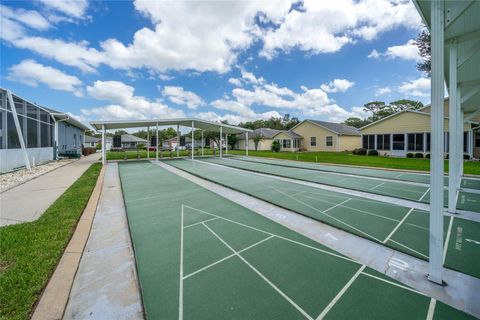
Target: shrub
<point>466,157</point>
<point>361,151</point>
<point>141,146</point>
<point>354,151</point>
<point>446,156</point>
<point>372,152</point>
<point>275,146</point>
<point>409,155</point>
<point>427,156</point>
<point>418,155</point>
<point>88,150</point>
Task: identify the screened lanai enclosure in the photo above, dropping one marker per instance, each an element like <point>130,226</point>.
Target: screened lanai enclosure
<point>192,124</point>
<point>31,134</point>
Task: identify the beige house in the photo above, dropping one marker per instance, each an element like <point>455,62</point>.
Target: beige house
<point>327,136</point>
<point>408,131</point>
<point>289,141</point>
<point>309,135</point>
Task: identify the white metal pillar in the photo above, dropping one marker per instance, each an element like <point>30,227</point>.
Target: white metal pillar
<point>193,139</point>
<point>156,147</point>
<point>226,143</point>
<point>437,143</point>
<point>291,145</point>
<point>148,142</point>
<point>19,130</point>
<point>454,110</point>
<point>178,140</point>
<point>221,149</point>
<point>460,120</point>
<point>56,139</point>
<point>247,142</point>
<point>203,143</point>
<point>104,148</point>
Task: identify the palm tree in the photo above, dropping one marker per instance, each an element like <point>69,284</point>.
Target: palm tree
<point>256,139</point>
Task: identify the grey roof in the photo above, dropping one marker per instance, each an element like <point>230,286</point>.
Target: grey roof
<point>339,128</point>
<point>268,133</point>
<point>89,139</point>
<point>131,138</point>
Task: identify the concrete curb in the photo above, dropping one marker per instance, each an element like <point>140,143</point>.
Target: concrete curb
<point>54,298</point>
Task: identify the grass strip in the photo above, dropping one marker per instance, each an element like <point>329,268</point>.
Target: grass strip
<point>29,252</point>
<point>469,167</point>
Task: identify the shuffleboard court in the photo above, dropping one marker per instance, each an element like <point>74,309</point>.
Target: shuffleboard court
<point>471,183</point>
<point>201,256</point>
<point>397,189</point>
<point>377,221</point>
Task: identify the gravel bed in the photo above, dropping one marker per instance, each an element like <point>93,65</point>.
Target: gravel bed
<point>11,179</point>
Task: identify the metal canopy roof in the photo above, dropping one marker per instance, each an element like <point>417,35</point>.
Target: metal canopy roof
<point>185,122</point>
<point>462,26</point>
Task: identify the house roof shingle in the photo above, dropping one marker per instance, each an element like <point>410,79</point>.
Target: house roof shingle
<point>131,138</point>
<point>339,128</point>
<point>268,133</point>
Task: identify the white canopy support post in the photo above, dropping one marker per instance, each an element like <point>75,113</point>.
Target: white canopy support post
<point>55,133</point>
<point>461,121</point>
<point>193,139</point>
<point>203,143</point>
<point>19,130</point>
<point>148,142</point>
<point>221,149</point>
<point>104,148</point>
<point>437,140</point>
<point>247,142</point>
<point>454,110</point>
<point>156,147</point>
<point>226,143</point>
<point>178,140</point>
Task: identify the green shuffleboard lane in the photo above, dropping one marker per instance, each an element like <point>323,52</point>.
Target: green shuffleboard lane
<point>471,183</point>
<point>398,189</point>
<point>201,256</point>
<point>377,221</point>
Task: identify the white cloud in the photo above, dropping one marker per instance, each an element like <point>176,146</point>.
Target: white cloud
<point>337,85</point>
<point>235,118</point>
<point>236,82</point>
<point>124,104</point>
<point>249,77</point>
<point>407,51</point>
<point>416,88</point>
<point>382,91</point>
<point>72,8</point>
<point>32,73</point>
<point>29,18</point>
<point>179,96</point>
<point>326,26</point>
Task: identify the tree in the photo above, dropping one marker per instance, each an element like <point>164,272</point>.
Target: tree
<point>423,42</point>
<point>356,122</point>
<point>232,140</point>
<point>256,139</point>
<point>120,132</point>
<point>378,109</point>
<point>404,104</point>
<point>285,123</point>
<point>275,146</point>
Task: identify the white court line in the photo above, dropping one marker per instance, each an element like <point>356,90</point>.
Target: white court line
<point>378,185</point>
<point>423,196</point>
<point>226,258</point>
<point>447,239</point>
<point>431,309</point>
<point>339,204</point>
<point>406,247</point>
<point>197,223</point>
<point>398,226</point>
<point>340,293</point>
<point>355,209</point>
<point>277,236</point>
<point>180,291</point>
<point>306,204</point>
<point>399,175</point>
<point>261,275</point>
<point>393,283</point>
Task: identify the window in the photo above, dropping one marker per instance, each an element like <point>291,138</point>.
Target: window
<point>465,142</point>
<point>313,141</point>
<point>32,111</point>
<point>74,139</point>
<point>286,143</point>
<point>12,136</point>
<point>329,141</point>
<point>428,142</point>
<point>46,141</point>
<point>368,141</point>
<point>415,141</point>
<point>32,133</point>
<point>477,140</point>
<point>1,128</point>
<point>383,142</point>
<point>398,142</point>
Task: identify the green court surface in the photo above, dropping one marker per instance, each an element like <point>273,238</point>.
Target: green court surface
<point>397,189</point>
<point>471,183</point>
<point>377,221</point>
<point>201,256</point>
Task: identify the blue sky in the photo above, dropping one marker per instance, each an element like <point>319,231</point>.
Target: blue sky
<point>234,61</point>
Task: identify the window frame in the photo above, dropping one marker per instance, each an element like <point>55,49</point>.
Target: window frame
<point>313,141</point>
<point>327,143</point>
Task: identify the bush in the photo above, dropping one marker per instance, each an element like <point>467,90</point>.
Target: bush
<point>362,151</point>
<point>354,151</point>
<point>427,156</point>
<point>446,156</point>
<point>275,146</point>
<point>466,157</point>
<point>418,155</point>
<point>409,155</point>
<point>141,146</point>
<point>372,152</point>
<point>89,150</point>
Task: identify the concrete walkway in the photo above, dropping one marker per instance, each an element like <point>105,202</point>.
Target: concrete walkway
<point>28,201</point>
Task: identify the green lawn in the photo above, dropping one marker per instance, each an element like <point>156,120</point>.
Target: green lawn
<point>29,252</point>
<point>350,159</point>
